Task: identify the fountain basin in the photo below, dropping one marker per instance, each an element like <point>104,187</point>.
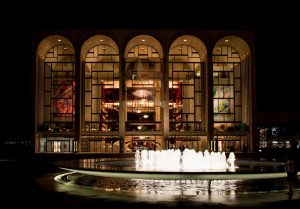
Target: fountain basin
<point>125,168</point>
<point>120,179</point>
<point>181,175</point>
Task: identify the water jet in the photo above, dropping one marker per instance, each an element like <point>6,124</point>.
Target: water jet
<point>171,174</point>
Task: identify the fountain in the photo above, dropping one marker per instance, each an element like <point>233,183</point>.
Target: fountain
<point>187,161</point>
<point>171,175</point>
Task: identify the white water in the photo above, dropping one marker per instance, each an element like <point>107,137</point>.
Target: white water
<point>187,161</point>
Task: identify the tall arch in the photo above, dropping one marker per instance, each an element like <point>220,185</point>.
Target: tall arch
<point>231,94</point>
<point>100,118</point>
<point>55,95</point>
<point>187,64</point>
<point>143,85</point>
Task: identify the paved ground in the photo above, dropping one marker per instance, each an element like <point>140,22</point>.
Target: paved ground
<point>29,184</point>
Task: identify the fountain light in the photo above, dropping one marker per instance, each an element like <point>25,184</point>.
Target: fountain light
<point>187,161</point>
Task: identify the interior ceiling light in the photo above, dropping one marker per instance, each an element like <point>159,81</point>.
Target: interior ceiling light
<point>142,93</point>
<point>185,40</point>
<point>143,40</point>
<point>226,40</point>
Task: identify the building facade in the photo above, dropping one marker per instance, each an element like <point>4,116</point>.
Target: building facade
<point>121,90</point>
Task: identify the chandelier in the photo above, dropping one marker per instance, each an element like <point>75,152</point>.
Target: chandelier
<point>142,93</point>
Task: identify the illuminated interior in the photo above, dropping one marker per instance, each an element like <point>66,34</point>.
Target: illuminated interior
<point>141,95</point>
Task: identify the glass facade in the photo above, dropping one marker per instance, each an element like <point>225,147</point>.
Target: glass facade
<point>101,99</point>
<point>143,97</point>
<point>140,94</point>
<point>58,101</point>
<point>227,98</point>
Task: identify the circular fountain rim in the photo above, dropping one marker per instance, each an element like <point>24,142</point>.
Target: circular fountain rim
<point>179,175</point>
<point>121,165</point>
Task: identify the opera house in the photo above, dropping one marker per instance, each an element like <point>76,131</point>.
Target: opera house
<point>122,90</point>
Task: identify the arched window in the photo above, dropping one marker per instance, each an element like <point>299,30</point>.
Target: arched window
<point>187,61</point>
<point>101,95</point>
<point>185,88</point>
<point>143,81</point>
<point>56,95</point>
<point>101,81</point>
<point>231,94</point>
<point>60,85</point>
<point>226,87</point>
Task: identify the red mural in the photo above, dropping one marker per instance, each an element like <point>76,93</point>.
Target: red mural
<point>64,98</point>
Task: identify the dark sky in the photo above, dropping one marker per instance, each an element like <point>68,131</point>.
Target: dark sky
<point>277,48</point>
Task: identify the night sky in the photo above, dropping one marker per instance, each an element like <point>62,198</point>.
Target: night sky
<point>277,49</point>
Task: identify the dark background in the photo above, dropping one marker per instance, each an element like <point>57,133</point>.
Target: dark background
<point>277,45</point>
